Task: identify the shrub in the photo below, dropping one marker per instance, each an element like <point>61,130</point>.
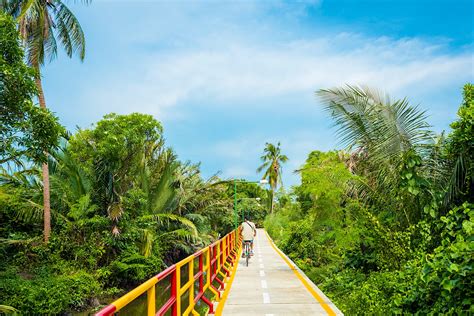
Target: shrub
<point>445,283</point>
<point>48,294</point>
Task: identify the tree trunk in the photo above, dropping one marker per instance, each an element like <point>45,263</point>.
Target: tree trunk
<point>45,170</point>
<point>46,202</point>
<point>271,204</point>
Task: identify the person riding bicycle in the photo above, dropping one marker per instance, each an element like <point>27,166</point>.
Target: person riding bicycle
<point>248,232</point>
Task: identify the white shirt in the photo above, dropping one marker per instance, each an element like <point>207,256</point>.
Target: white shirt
<point>248,230</point>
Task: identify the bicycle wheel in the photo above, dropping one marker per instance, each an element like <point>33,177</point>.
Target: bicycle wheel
<point>247,257</point>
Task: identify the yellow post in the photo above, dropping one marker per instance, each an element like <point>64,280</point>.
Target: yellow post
<point>218,267</point>
<point>208,266</point>
<point>191,279</point>
<point>150,295</point>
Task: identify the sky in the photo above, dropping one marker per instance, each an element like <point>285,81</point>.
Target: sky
<point>224,77</point>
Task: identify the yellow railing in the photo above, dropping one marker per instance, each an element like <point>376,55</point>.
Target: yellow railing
<point>209,268</point>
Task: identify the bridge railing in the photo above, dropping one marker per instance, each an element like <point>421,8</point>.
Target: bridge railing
<point>189,281</point>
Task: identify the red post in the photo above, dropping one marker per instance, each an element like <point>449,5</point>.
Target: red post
<point>174,293</point>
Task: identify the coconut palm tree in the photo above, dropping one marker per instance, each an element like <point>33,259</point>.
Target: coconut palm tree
<point>380,135</point>
<point>272,159</point>
<point>369,122</point>
<point>41,24</point>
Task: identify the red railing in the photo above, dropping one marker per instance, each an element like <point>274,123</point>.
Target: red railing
<point>213,265</point>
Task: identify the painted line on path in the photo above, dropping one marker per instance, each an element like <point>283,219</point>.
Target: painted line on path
<point>266,298</point>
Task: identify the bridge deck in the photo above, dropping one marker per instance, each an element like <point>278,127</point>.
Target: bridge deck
<point>272,285</point>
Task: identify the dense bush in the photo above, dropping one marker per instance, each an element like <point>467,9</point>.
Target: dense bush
<point>46,293</point>
<point>444,284</point>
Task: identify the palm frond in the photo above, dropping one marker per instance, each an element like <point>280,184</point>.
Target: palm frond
<point>41,23</point>
<point>8,310</point>
<point>7,241</point>
<point>69,31</point>
<point>162,193</point>
<point>180,235</point>
<point>456,180</point>
<point>147,237</point>
<point>167,219</point>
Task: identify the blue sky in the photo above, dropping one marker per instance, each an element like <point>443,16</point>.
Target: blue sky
<point>224,77</point>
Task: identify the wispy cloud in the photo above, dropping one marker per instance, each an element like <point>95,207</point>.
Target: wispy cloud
<point>226,77</point>
<point>247,71</point>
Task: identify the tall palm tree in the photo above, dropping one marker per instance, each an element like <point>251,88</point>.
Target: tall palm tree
<point>272,159</point>
<point>41,23</point>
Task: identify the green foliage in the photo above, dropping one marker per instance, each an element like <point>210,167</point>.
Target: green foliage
<point>26,130</point>
<point>433,283</point>
<point>314,235</point>
<point>132,267</point>
<point>358,294</point>
<point>385,138</point>
<point>277,224</point>
<point>386,228</point>
<point>444,284</point>
<point>324,180</point>
<point>461,150</point>
<point>47,294</point>
<point>252,200</point>
<point>8,310</point>
<point>272,160</point>
<point>271,164</point>
<point>43,24</point>
<point>123,209</point>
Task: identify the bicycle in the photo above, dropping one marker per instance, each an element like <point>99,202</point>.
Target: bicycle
<point>247,251</point>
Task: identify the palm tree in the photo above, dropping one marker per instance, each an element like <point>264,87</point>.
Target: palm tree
<point>8,310</point>
<point>379,134</point>
<point>272,159</point>
<point>370,122</point>
<point>41,23</point>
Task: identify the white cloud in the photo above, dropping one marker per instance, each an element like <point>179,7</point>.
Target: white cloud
<point>226,77</point>
<point>229,71</point>
<point>243,71</point>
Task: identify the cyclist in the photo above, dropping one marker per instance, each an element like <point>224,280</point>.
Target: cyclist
<point>248,232</point>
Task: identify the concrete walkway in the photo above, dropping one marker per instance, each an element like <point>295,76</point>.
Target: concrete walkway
<point>269,286</point>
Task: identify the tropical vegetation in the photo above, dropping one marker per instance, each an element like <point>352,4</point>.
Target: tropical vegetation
<point>386,226</point>
<point>123,205</point>
<point>124,208</point>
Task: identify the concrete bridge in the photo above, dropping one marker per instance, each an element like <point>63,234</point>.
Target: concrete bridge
<point>216,281</point>
<point>273,285</point>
